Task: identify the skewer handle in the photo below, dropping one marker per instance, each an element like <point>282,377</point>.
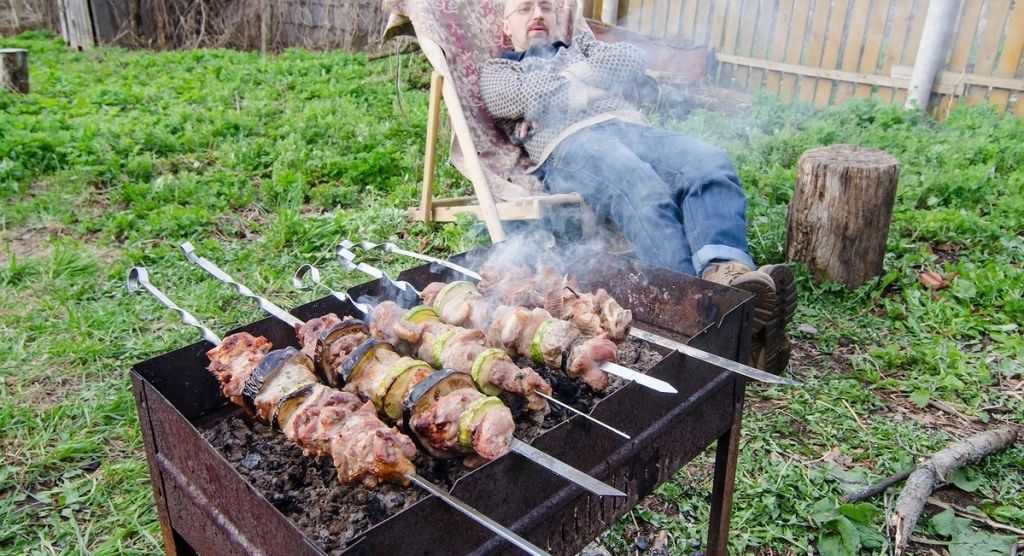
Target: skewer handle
<point>205,264</point>
<point>138,277</point>
<point>467,510</point>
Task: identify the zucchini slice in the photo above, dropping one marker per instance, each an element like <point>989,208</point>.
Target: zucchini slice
<point>450,291</point>
<point>536,354</point>
<point>288,403</point>
<point>322,355</point>
<point>481,370</point>
<point>426,392</point>
<point>399,368</point>
<point>351,366</point>
<point>440,343</point>
<point>398,391</point>
<point>472,416</point>
<point>267,370</point>
<point>420,314</point>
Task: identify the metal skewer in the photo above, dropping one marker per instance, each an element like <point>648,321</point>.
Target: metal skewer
<point>139,277</point>
<point>347,258</point>
<point>190,254</point>
<point>647,336</point>
<point>303,271</point>
<point>566,471</point>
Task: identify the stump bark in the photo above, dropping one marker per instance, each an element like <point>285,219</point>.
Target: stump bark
<point>838,220</point>
<point>14,70</point>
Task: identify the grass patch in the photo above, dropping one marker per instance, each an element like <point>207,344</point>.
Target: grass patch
<point>265,163</point>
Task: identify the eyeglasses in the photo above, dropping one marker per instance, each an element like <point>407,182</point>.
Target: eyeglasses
<point>527,8</point>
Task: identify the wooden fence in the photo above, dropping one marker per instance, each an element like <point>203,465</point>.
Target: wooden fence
<point>827,51</point>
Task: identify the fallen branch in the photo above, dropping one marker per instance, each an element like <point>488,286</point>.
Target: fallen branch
<point>934,471</point>
<point>876,488</point>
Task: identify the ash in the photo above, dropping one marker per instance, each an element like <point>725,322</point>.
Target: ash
<point>307,491</point>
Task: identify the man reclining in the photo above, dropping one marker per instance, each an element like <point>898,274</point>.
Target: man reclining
<point>677,199</point>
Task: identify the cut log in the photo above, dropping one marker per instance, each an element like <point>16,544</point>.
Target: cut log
<point>14,70</point>
<point>838,220</point>
<point>934,471</point>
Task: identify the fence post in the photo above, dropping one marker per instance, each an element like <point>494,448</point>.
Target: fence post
<point>931,51</point>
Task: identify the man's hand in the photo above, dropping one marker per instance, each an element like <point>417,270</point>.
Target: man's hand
<point>581,93</point>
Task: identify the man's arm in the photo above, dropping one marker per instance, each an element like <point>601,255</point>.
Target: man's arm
<point>512,94</point>
<point>608,65</point>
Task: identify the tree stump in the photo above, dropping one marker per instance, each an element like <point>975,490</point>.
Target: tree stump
<point>838,220</point>
<point>14,70</point>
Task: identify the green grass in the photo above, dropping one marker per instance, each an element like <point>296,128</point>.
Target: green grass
<point>265,163</point>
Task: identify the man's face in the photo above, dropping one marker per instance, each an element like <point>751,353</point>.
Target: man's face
<point>529,22</point>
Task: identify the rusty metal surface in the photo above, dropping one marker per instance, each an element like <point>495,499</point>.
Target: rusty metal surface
<point>211,506</point>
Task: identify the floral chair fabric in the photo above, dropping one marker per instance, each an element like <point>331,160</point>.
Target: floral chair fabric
<point>469,33</point>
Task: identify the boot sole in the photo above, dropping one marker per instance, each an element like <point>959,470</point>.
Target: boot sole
<point>776,348</point>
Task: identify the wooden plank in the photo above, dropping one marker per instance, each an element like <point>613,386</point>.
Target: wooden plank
<point>815,48</point>
<point>994,25</point>
<point>746,20</point>
<point>896,40</point>
<point>675,11</point>
<point>1010,59</point>
<point>795,45</point>
<point>913,42</point>
<point>951,79</point>
<point>777,50</point>
<point>858,21</point>
<point>762,34</point>
<point>661,28</point>
<point>702,24</point>
<point>686,26</point>
<point>817,72</point>
<point>833,44</point>
<point>873,43</point>
<point>718,12</point>
<point>647,17</point>
<point>733,13</point>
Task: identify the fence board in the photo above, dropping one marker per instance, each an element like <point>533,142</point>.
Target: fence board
<point>744,43</point>
<point>647,17</point>
<point>990,38</point>
<point>762,34</point>
<point>873,43</point>
<point>794,46</point>
<point>898,26</point>
<point>686,26</point>
<point>815,46</point>
<point>675,10</point>
<point>732,27</point>
<point>719,9</point>
<point>777,43</point>
<point>700,31</point>
<point>833,43</point>
<point>857,24</point>
<point>661,26</point>
<point>1010,60</point>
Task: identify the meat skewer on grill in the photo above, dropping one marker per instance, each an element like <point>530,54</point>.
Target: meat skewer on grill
<point>279,387</point>
<point>634,332</point>
<point>444,345</point>
<point>481,420</point>
<point>532,333</point>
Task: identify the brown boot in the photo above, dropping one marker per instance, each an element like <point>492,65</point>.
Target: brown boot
<point>775,343</point>
<point>738,275</point>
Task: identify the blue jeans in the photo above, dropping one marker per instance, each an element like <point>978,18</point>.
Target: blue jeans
<point>676,198</point>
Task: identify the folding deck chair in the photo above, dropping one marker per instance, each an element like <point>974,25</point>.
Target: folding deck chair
<point>457,37</point>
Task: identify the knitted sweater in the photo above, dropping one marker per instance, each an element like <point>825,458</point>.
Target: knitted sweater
<point>531,88</point>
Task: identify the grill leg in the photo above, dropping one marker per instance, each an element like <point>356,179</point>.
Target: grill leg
<point>725,479</point>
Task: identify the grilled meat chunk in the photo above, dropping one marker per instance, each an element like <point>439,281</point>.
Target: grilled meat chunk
<point>234,360</point>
